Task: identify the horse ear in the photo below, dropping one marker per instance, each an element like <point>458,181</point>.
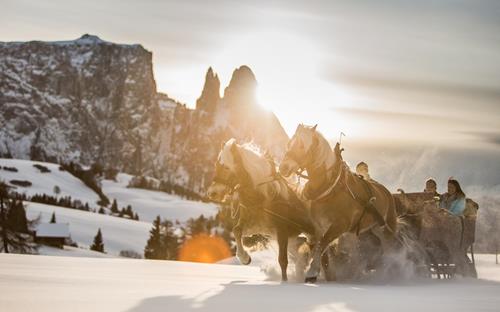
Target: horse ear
<point>233,146</point>
<point>314,128</point>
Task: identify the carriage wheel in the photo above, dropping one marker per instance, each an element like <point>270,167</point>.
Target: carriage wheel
<point>440,260</point>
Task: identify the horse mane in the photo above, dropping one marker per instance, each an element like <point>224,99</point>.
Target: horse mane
<point>324,153</point>
<point>255,162</point>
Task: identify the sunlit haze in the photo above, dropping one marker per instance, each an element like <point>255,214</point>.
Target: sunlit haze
<point>396,74</point>
<point>339,64</point>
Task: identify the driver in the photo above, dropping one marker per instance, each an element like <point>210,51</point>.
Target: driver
<point>362,170</point>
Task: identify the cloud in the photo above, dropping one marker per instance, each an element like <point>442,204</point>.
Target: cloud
<point>414,85</point>
<point>488,137</point>
<point>403,117</point>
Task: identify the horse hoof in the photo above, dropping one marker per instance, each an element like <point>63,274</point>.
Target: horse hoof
<point>311,280</point>
<point>247,262</point>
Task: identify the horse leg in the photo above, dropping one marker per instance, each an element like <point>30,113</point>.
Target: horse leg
<point>313,272</point>
<point>241,253</point>
<point>300,253</point>
<point>283,253</point>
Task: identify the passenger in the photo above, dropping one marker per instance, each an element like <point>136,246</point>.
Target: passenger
<point>431,187</point>
<point>454,199</point>
<point>362,170</point>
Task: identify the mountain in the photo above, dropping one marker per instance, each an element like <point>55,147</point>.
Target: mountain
<point>93,101</point>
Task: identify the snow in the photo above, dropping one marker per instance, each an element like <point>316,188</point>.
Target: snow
<point>118,233</point>
<point>83,40</point>
<point>53,230</point>
<point>69,251</point>
<point>43,183</point>
<point>48,283</point>
<point>167,104</point>
<point>149,204</point>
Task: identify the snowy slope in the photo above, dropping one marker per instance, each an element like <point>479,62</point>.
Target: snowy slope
<point>43,183</point>
<point>52,284</point>
<point>149,204</point>
<point>118,233</point>
<point>69,251</point>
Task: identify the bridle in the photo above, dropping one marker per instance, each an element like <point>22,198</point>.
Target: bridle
<point>303,163</point>
<point>224,175</point>
<point>239,183</point>
<point>306,161</point>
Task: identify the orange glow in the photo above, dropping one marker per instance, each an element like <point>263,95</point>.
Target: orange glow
<point>204,248</point>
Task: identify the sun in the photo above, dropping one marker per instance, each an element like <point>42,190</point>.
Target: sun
<point>288,69</point>
<point>288,72</point>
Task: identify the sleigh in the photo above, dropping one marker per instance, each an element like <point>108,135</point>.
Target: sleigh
<point>440,242</point>
<point>447,239</point>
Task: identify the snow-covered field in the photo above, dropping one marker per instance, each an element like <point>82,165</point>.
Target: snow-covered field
<point>69,251</point>
<point>118,233</point>
<point>43,283</point>
<point>149,204</point>
<point>43,183</point>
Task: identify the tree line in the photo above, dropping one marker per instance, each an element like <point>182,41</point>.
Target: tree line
<point>167,237</point>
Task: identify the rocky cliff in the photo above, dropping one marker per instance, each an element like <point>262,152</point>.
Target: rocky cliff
<point>92,101</point>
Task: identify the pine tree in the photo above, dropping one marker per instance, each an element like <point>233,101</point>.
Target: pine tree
<point>154,248</point>
<point>16,217</point>
<point>98,244</point>
<point>114,206</point>
<point>170,241</point>
<point>129,212</point>
<point>53,218</point>
<point>101,210</point>
<point>12,240</point>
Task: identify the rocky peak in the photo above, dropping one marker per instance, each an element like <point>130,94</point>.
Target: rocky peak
<point>89,39</point>
<point>79,100</point>
<point>93,101</point>
<point>210,93</point>
<point>242,87</point>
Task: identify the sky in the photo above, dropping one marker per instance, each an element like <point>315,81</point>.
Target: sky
<point>402,74</point>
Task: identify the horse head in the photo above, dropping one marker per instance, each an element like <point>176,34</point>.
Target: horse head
<point>242,165</point>
<point>299,150</point>
<point>224,173</point>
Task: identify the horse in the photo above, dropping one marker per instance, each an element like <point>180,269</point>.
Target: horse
<point>263,202</point>
<point>342,202</point>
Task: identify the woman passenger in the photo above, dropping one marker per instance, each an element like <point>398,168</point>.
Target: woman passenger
<point>454,199</point>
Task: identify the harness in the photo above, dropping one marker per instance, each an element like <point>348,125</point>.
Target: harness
<point>343,169</point>
<point>241,182</point>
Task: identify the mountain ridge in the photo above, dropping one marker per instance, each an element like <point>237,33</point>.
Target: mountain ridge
<point>94,101</point>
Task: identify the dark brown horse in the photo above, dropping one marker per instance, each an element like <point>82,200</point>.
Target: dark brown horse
<point>262,201</point>
<point>342,202</point>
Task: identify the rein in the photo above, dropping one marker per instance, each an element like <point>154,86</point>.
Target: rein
<point>248,191</point>
<point>368,206</point>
